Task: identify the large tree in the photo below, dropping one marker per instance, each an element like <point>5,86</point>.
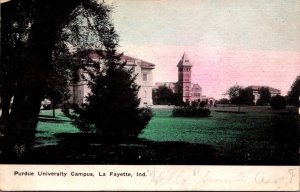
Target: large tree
<point>30,33</point>
<point>264,96</point>
<point>294,93</point>
<point>163,95</point>
<point>112,109</point>
<point>240,96</point>
<point>14,34</point>
<point>247,96</point>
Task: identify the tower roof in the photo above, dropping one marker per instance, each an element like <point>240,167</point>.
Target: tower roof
<point>184,61</point>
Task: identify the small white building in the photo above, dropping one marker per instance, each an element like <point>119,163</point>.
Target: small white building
<point>256,89</point>
<point>144,79</point>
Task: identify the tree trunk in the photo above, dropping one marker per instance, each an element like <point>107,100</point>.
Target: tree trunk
<point>21,127</point>
<point>5,107</point>
<point>53,108</point>
<point>22,121</point>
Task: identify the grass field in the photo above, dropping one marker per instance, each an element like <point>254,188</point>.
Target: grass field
<point>221,129</point>
<point>49,126</point>
<point>258,134</point>
<point>257,129</point>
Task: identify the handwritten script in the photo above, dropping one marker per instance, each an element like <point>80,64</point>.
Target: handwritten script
<point>206,177</point>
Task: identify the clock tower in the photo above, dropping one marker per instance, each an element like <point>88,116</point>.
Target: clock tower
<point>184,78</point>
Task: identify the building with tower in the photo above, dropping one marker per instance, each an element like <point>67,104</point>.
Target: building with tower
<point>184,86</point>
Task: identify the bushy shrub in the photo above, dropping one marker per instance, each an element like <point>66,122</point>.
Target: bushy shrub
<point>112,107</point>
<point>194,104</point>
<point>65,108</point>
<point>260,102</point>
<point>278,102</point>
<point>190,111</point>
<point>202,104</point>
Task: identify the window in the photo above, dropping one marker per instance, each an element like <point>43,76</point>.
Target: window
<point>187,88</point>
<point>144,77</point>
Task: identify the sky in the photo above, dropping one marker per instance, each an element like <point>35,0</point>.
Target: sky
<point>229,42</point>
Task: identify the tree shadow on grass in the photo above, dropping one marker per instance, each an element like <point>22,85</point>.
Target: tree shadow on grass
<point>279,145</point>
<point>80,148</point>
<point>48,116</point>
<point>50,120</point>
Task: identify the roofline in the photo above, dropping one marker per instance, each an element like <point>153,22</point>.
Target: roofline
<point>151,64</point>
<point>260,86</point>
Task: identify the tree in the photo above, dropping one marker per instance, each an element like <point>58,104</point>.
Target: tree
<point>177,96</point>
<point>278,102</point>
<point>240,96</point>
<point>112,109</point>
<point>30,31</point>
<point>57,86</point>
<point>247,97</point>
<point>294,93</point>
<point>163,95</point>
<point>14,33</point>
<point>233,93</point>
<point>264,96</point>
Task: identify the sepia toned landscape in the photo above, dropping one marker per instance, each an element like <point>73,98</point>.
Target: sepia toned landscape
<point>150,82</point>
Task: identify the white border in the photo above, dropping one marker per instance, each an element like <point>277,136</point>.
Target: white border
<point>159,177</point>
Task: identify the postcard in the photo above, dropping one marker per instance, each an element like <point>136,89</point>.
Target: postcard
<point>154,95</point>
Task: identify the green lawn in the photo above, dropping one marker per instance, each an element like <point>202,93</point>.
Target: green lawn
<point>48,126</point>
<point>258,137</point>
<point>226,131</point>
<point>258,128</point>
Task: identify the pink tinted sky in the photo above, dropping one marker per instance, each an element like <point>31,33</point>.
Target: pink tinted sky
<point>228,42</point>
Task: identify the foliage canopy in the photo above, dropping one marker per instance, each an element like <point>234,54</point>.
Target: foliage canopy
<point>112,108</point>
<point>163,95</point>
<point>240,96</point>
<point>264,96</point>
<point>294,93</point>
<point>278,102</point>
